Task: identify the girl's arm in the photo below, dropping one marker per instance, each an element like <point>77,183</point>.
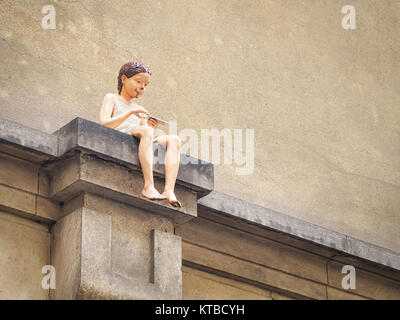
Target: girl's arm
<point>107,110</point>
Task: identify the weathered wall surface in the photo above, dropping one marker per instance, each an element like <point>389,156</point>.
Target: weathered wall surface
<point>200,285</point>
<point>24,251</point>
<point>323,100</point>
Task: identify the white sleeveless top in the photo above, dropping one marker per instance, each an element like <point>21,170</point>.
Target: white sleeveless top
<point>129,123</point>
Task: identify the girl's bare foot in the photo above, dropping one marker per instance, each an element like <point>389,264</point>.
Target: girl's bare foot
<point>171,198</point>
<point>152,194</point>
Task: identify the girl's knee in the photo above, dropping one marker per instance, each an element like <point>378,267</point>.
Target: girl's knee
<point>175,140</point>
<point>147,132</point>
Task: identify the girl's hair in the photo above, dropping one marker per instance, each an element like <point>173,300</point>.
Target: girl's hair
<point>129,69</point>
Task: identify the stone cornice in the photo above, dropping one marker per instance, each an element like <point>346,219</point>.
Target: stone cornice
<point>93,138</point>
<point>241,214</point>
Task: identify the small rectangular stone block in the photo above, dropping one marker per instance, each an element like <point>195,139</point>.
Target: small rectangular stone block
<point>64,174</point>
<point>17,201</point>
<point>47,210</point>
<point>44,183</point>
<point>17,173</point>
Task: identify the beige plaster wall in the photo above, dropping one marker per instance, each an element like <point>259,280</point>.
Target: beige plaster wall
<point>24,250</point>
<point>323,100</point>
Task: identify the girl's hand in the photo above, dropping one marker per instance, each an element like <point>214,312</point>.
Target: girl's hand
<point>138,110</point>
<point>153,123</point>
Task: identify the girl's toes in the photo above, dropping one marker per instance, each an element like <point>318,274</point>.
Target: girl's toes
<point>176,204</point>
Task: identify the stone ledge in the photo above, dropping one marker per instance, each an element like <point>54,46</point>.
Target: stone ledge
<point>27,143</point>
<point>93,138</point>
<point>117,146</point>
<point>81,173</point>
<point>221,207</point>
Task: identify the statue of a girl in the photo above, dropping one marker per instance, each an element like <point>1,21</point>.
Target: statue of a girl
<point>120,112</point>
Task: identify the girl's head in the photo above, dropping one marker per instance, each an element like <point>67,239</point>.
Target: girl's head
<point>133,78</point>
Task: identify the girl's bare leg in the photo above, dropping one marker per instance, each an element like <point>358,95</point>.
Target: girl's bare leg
<point>172,159</point>
<point>146,134</point>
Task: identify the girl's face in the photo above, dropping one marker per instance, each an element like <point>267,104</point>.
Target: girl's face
<point>135,85</point>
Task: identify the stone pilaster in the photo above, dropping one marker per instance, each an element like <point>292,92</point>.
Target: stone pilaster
<point>108,250</point>
<point>110,242</point>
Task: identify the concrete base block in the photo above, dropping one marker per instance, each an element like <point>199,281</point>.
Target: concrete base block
<point>84,173</point>
<point>124,254</point>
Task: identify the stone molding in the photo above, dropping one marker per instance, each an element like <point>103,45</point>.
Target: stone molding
<point>82,244</point>
<point>226,209</point>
